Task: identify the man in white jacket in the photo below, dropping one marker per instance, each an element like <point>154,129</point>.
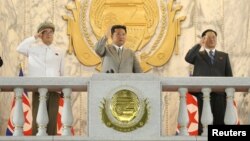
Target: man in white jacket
<point>44,60</point>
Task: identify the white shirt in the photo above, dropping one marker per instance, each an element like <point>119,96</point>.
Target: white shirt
<point>117,47</point>
<point>43,60</point>
<point>207,50</point>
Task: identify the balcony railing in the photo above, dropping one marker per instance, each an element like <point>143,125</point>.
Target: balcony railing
<point>230,85</point>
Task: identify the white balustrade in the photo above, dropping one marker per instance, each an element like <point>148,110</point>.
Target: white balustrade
<point>249,113</point>
<point>67,115</point>
<point>183,113</point>
<point>207,116</point>
<point>18,117</point>
<point>80,84</point>
<point>42,115</point>
<point>231,113</point>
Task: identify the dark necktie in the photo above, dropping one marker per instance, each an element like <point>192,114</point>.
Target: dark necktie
<point>211,55</point>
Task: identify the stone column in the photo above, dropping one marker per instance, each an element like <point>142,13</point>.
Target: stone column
<point>42,115</point>
<point>67,115</point>
<point>18,117</point>
<point>207,116</point>
<point>183,113</point>
<point>230,115</point>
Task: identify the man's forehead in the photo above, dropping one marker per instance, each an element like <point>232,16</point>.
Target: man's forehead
<point>209,34</point>
<point>120,29</point>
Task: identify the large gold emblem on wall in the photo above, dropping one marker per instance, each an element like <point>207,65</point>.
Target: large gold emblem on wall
<point>151,26</point>
<point>140,16</point>
<point>124,111</point>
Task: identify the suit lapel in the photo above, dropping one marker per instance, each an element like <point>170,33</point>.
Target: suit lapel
<point>123,52</point>
<point>218,56</point>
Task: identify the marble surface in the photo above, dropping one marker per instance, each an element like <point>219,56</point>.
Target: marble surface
<point>149,90</point>
<point>19,19</point>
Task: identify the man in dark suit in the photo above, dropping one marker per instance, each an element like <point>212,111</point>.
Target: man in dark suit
<point>116,57</point>
<point>210,62</point>
<point>1,62</point>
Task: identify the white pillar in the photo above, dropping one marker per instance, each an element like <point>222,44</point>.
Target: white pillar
<point>231,113</point>
<point>207,116</point>
<point>18,117</point>
<point>67,115</point>
<point>183,113</point>
<point>42,115</point>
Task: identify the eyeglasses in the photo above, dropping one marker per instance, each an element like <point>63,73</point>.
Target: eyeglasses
<point>48,32</point>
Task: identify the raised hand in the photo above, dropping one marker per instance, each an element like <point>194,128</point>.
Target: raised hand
<point>39,34</point>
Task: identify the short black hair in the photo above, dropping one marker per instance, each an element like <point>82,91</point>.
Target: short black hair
<point>208,30</point>
<point>118,27</point>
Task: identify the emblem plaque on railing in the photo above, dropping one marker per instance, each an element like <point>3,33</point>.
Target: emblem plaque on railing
<point>124,110</point>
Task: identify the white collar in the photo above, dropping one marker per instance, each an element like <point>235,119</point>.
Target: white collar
<point>47,46</point>
<point>207,50</point>
<point>117,47</point>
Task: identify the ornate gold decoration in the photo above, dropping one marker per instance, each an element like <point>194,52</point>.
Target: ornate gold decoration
<point>164,52</point>
<point>84,54</point>
<point>124,112</point>
<point>163,25</point>
<point>142,18</point>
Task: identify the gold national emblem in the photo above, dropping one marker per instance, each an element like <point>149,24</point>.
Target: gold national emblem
<point>124,105</point>
<point>152,28</point>
<point>124,112</point>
